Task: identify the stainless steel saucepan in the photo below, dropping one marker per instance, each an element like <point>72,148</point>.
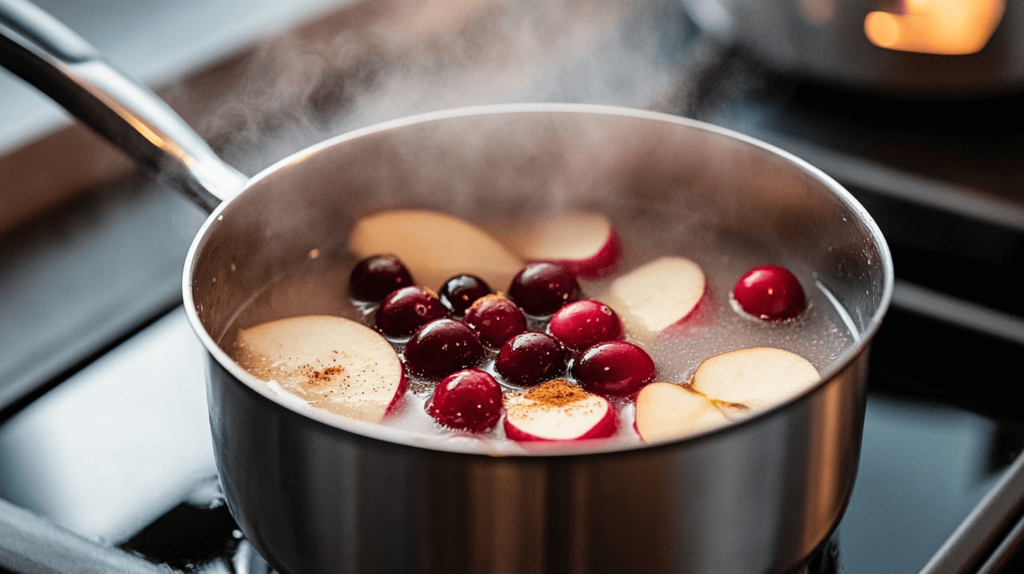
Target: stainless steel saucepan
<point>319,493</point>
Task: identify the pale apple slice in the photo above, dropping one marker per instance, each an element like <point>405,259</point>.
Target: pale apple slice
<point>667,293</point>
<point>435,247</point>
<point>558,411</point>
<point>332,363</point>
<point>585,243</point>
<point>755,377</point>
<point>667,411</point>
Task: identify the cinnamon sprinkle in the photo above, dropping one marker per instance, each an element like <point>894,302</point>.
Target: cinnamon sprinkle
<point>492,297</point>
<point>556,393</point>
<point>315,377</point>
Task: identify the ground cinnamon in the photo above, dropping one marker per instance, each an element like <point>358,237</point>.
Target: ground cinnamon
<point>314,377</point>
<point>556,393</point>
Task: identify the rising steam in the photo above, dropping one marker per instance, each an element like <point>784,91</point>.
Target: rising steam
<point>374,61</point>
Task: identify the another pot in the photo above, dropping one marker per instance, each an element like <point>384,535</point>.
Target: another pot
<point>837,42</point>
<point>315,492</point>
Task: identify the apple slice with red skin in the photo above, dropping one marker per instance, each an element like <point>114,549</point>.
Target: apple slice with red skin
<point>332,363</point>
<point>666,411</point>
<point>435,246</point>
<point>757,377</point>
<point>586,243</point>
<point>669,294</point>
<point>558,411</point>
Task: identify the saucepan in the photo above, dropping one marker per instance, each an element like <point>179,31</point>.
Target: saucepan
<point>316,492</point>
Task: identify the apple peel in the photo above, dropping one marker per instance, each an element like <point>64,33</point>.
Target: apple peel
<point>666,411</point>
<point>331,363</point>
<point>586,243</point>
<point>667,295</point>
<point>558,411</point>
<point>756,377</point>
<point>435,246</point>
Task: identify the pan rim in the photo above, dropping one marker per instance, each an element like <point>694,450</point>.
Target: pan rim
<point>397,436</point>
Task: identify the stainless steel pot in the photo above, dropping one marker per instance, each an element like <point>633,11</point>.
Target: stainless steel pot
<point>830,41</point>
<point>319,493</point>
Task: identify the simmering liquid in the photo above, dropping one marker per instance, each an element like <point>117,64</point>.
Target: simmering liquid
<point>820,334</point>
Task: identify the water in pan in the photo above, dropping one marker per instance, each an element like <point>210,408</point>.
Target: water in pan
<point>820,334</point>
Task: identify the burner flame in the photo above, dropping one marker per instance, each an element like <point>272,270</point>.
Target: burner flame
<point>947,27</point>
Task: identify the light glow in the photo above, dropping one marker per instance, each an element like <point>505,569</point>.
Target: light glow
<point>949,27</point>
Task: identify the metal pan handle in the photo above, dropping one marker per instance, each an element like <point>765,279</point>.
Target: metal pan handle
<point>47,54</point>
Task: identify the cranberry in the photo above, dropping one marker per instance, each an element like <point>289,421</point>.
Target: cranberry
<point>613,368</point>
<point>459,292</point>
<point>770,292</point>
<point>467,400</point>
<point>496,319</point>
<point>543,287</point>
<point>442,347</point>
<point>404,310</point>
<point>585,323</point>
<point>531,358</point>
<point>375,277</point>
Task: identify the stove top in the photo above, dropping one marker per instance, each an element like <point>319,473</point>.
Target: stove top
<point>119,455</point>
<point>105,456</point>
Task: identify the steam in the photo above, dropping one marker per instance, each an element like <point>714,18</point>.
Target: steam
<point>377,60</point>
<point>374,61</point>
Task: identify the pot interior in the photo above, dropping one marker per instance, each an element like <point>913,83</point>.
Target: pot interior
<point>671,187</point>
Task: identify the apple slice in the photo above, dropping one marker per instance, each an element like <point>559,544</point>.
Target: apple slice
<point>755,377</point>
<point>667,411</point>
<point>332,363</point>
<point>558,411</point>
<point>669,292</point>
<point>585,243</point>
<point>435,247</point>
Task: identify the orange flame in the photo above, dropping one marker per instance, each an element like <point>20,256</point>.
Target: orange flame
<point>936,26</point>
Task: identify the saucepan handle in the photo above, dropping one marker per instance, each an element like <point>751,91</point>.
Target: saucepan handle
<point>47,54</point>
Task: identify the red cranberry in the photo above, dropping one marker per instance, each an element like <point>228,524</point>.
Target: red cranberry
<point>467,400</point>
<point>375,277</point>
<point>542,288</point>
<point>531,358</point>
<point>459,292</point>
<point>770,292</point>
<point>614,368</point>
<point>404,310</point>
<point>442,347</point>
<point>496,319</point>
<point>585,323</point>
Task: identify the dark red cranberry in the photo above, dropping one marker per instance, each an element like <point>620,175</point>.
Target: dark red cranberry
<point>613,368</point>
<point>542,288</point>
<point>531,358</point>
<point>404,310</point>
<point>496,319</point>
<point>467,400</point>
<point>442,347</point>
<point>459,292</point>
<point>585,323</point>
<point>770,292</point>
<point>375,277</point>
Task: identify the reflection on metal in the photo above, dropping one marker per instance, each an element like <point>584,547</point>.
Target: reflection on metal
<point>948,27</point>
<point>118,444</point>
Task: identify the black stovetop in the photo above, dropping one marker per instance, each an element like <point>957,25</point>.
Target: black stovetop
<point>120,454</point>
<point>105,455</point>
